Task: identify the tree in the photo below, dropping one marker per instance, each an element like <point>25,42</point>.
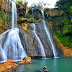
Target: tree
<point>64,5</point>
<point>71,10</point>
<point>38,5</point>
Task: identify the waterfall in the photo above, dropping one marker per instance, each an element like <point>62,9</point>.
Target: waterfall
<point>14,15</point>
<point>70,16</point>
<point>10,43</point>
<point>12,46</point>
<point>38,39</point>
<point>2,55</point>
<point>32,14</point>
<point>49,36</point>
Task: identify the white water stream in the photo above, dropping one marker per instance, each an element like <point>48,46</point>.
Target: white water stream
<point>49,36</point>
<point>12,48</point>
<point>38,39</point>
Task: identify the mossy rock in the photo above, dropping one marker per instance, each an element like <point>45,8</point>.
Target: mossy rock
<point>38,20</point>
<point>36,57</point>
<point>29,20</point>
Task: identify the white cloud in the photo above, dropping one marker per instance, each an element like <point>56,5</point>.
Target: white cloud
<point>50,2</point>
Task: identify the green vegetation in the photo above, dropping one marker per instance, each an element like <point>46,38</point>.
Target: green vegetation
<point>64,31</point>
<point>61,21</point>
<point>38,5</point>
<point>28,32</point>
<point>37,15</point>
<point>64,5</point>
<point>65,40</point>
<point>2,18</point>
<point>24,4</point>
<point>65,35</point>
<point>19,2</point>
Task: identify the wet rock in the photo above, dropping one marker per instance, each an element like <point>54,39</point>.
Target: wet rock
<point>44,69</point>
<point>10,61</point>
<point>8,66</point>
<point>28,43</point>
<point>36,57</point>
<point>25,60</point>
<point>44,39</point>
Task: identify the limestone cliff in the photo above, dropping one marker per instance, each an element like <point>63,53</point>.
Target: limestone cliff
<point>58,21</point>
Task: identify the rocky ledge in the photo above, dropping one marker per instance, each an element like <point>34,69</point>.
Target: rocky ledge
<point>10,65</point>
<point>44,69</point>
<point>25,60</point>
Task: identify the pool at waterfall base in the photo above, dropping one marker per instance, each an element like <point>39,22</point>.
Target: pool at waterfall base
<point>53,65</point>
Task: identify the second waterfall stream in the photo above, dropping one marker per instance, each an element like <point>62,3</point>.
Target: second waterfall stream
<point>49,36</point>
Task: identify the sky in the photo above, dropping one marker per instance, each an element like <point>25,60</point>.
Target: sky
<point>50,2</point>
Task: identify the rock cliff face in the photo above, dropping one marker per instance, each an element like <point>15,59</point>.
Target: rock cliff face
<point>55,18</point>
<point>43,37</point>
<point>31,44</point>
<point>5,15</point>
<point>8,66</point>
<point>59,21</point>
<point>53,12</point>
<point>28,43</point>
<point>3,4</point>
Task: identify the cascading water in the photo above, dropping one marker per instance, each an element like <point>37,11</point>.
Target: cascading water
<point>12,47</point>
<point>38,39</point>
<point>2,55</point>
<point>70,16</point>
<point>32,14</point>
<point>14,15</point>
<point>49,36</point>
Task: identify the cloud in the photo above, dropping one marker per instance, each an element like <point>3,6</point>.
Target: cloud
<point>50,2</point>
